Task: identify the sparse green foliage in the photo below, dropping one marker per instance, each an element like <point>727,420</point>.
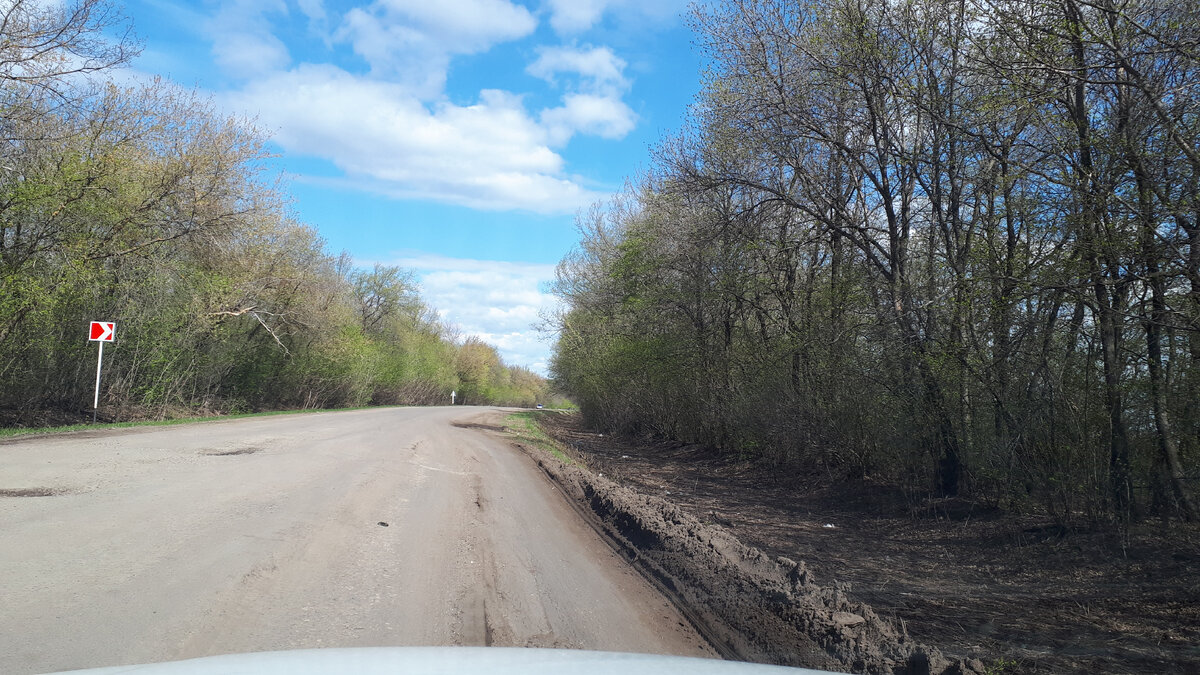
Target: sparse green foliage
<point>950,244</point>
<point>147,207</point>
<point>1000,665</point>
<point>523,426</point>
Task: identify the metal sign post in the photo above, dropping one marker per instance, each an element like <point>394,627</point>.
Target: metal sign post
<point>96,399</point>
<point>101,331</point>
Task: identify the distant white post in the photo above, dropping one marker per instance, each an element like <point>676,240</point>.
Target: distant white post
<point>452,395</point>
<point>101,331</point>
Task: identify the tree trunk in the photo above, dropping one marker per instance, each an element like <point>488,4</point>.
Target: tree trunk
<point>1091,230</point>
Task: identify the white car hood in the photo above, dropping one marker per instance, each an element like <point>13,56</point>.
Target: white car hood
<point>447,661</point>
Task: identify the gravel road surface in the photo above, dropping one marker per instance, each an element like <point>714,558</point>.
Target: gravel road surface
<point>346,529</point>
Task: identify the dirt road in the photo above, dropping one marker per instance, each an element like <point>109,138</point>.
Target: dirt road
<point>363,528</point>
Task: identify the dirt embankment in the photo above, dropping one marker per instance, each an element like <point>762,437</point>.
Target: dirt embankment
<point>748,605</point>
<point>976,582</point>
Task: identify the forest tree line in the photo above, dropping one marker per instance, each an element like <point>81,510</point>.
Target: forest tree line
<point>146,206</point>
<point>950,244</point>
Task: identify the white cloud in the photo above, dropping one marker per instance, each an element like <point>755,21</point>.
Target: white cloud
<point>247,54</point>
<point>601,69</point>
<point>499,302</point>
<point>465,25</point>
<point>490,155</point>
<point>575,16</point>
<point>602,116</point>
<point>313,9</point>
<point>595,106</point>
<point>571,17</point>
<point>413,40</point>
<point>393,130</point>
<point>243,44</point>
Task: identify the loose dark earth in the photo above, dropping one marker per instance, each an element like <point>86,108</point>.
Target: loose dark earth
<point>1011,591</point>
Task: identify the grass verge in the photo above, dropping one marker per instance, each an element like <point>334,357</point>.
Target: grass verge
<point>10,432</point>
<point>523,427</point>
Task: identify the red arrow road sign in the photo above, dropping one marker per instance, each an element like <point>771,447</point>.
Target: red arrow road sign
<point>103,331</point>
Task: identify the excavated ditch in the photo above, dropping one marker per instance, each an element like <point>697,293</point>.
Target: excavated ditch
<point>749,606</point>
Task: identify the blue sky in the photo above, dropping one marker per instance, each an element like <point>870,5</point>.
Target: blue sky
<point>457,138</point>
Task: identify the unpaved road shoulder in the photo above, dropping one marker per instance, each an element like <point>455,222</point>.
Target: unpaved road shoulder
<point>1009,589</point>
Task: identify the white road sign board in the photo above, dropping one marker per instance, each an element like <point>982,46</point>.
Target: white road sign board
<point>103,331</point>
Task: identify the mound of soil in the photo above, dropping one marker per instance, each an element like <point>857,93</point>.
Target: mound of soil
<point>748,605</point>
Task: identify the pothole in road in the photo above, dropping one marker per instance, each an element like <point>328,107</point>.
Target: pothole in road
<point>33,492</point>
<point>229,453</point>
